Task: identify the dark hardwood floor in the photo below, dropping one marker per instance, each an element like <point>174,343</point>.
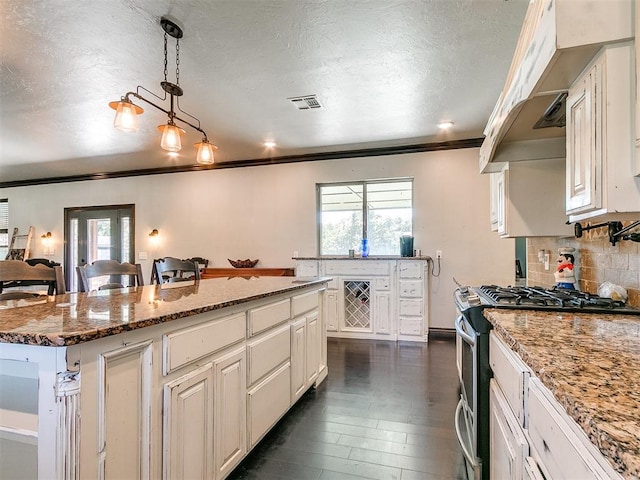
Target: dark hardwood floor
<point>385,412</point>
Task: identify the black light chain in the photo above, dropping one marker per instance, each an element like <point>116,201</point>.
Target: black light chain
<point>177,61</point>
<point>165,56</point>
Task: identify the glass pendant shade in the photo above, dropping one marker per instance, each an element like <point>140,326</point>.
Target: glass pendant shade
<point>205,152</point>
<point>126,118</point>
<point>171,137</point>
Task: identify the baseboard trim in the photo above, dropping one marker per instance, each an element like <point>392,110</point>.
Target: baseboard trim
<point>442,334</point>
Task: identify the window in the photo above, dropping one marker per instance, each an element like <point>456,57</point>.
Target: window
<point>4,227</point>
<point>380,211</point>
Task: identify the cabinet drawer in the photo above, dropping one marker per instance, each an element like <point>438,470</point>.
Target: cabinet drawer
<point>408,269</point>
<point>382,283</point>
<point>267,402</point>
<point>411,288</point>
<point>560,447</point>
<point>511,374</point>
<point>262,318</point>
<point>410,307</point>
<point>190,344</point>
<point>304,303</point>
<point>410,326</point>
<point>265,354</point>
<point>356,267</point>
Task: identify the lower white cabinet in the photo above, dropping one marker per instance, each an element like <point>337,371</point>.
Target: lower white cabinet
<point>531,434</point>
<point>312,348</point>
<point>559,446</point>
<point>188,425</point>
<point>183,399</point>
<point>305,353</point>
<point>508,445</point>
<point>230,425</point>
<point>374,298</point>
<point>298,357</point>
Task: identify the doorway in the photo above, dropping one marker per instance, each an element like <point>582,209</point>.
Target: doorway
<point>97,233</point>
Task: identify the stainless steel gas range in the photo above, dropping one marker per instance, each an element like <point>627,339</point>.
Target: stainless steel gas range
<point>472,341</point>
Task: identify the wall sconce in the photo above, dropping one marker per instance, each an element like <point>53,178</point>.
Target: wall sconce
<point>154,237</point>
<point>47,243</point>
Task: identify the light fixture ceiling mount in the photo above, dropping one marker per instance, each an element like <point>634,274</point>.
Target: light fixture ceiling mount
<point>127,111</point>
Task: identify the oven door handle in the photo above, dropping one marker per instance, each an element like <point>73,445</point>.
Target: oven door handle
<point>461,331</point>
<point>473,461</point>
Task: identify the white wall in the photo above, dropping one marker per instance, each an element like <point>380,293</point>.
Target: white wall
<point>268,212</point>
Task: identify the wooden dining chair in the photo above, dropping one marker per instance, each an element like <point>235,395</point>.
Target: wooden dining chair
<point>16,273</point>
<point>170,269</point>
<point>112,269</point>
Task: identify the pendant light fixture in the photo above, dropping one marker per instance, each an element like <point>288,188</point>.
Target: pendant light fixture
<point>127,112</point>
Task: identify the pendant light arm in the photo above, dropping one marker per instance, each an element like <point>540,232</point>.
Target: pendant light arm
<point>170,113</point>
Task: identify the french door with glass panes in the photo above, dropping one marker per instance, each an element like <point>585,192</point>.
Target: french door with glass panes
<point>97,233</point>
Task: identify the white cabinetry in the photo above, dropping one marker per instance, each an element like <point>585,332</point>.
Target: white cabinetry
<point>188,425</point>
<point>559,446</point>
<point>528,199</point>
<point>531,435</point>
<point>600,138</point>
<point>383,298</point>
<point>230,416</point>
<point>508,445</point>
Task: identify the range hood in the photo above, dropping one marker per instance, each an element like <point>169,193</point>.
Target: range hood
<point>557,41</point>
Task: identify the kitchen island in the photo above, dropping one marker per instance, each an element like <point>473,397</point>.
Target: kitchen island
<point>165,381</point>
<point>590,363</point>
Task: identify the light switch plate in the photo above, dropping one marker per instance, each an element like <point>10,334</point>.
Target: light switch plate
<point>142,255</point>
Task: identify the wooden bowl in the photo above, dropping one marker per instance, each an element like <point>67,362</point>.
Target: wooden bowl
<point>247,263</point>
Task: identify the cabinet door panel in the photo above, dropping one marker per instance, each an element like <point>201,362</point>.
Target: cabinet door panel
<point>230,411</point>
<point>312,348</point>
<point>188,425</point>
<point>583,140</point>
<point>508,445</point>
<point>331,309</point>
<point>298,358</point>
<point>382,312</point>
<point>124,410</point>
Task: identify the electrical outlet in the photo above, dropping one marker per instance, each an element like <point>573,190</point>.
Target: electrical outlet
<point>295,254</point>
<point>142,255</point>
<point>547,257</point>
<point>438,253</point>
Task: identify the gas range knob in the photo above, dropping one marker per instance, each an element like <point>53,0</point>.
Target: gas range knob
<point>474,300</point>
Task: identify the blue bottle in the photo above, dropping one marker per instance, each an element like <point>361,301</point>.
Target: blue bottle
<point>365,247</point>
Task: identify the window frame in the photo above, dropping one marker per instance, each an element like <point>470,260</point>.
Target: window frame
<point>365,209</point>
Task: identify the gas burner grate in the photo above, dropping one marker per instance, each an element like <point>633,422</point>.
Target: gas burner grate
<point>540,296</point>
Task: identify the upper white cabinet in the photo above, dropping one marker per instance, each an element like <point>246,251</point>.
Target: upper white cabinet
<point>601,160</point>
<point>528,198</point>
<point>557,41</point>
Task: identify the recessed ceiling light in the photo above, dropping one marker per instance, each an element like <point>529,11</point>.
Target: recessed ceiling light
<point>445,125</point>
<point>269,144</point>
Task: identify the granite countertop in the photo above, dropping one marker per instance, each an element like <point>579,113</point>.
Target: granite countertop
<point>591,363</point>
<point>74,318</point>
<point>370,257</point>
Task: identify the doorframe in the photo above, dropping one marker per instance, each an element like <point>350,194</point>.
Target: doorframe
<point>96,208</point>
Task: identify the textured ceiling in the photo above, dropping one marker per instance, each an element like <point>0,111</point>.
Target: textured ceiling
<point>385,71</point>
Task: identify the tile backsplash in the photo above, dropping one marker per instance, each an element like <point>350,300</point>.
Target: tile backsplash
<point>597,261</point>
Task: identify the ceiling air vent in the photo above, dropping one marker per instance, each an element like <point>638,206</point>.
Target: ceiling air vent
<point>306,102</point>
